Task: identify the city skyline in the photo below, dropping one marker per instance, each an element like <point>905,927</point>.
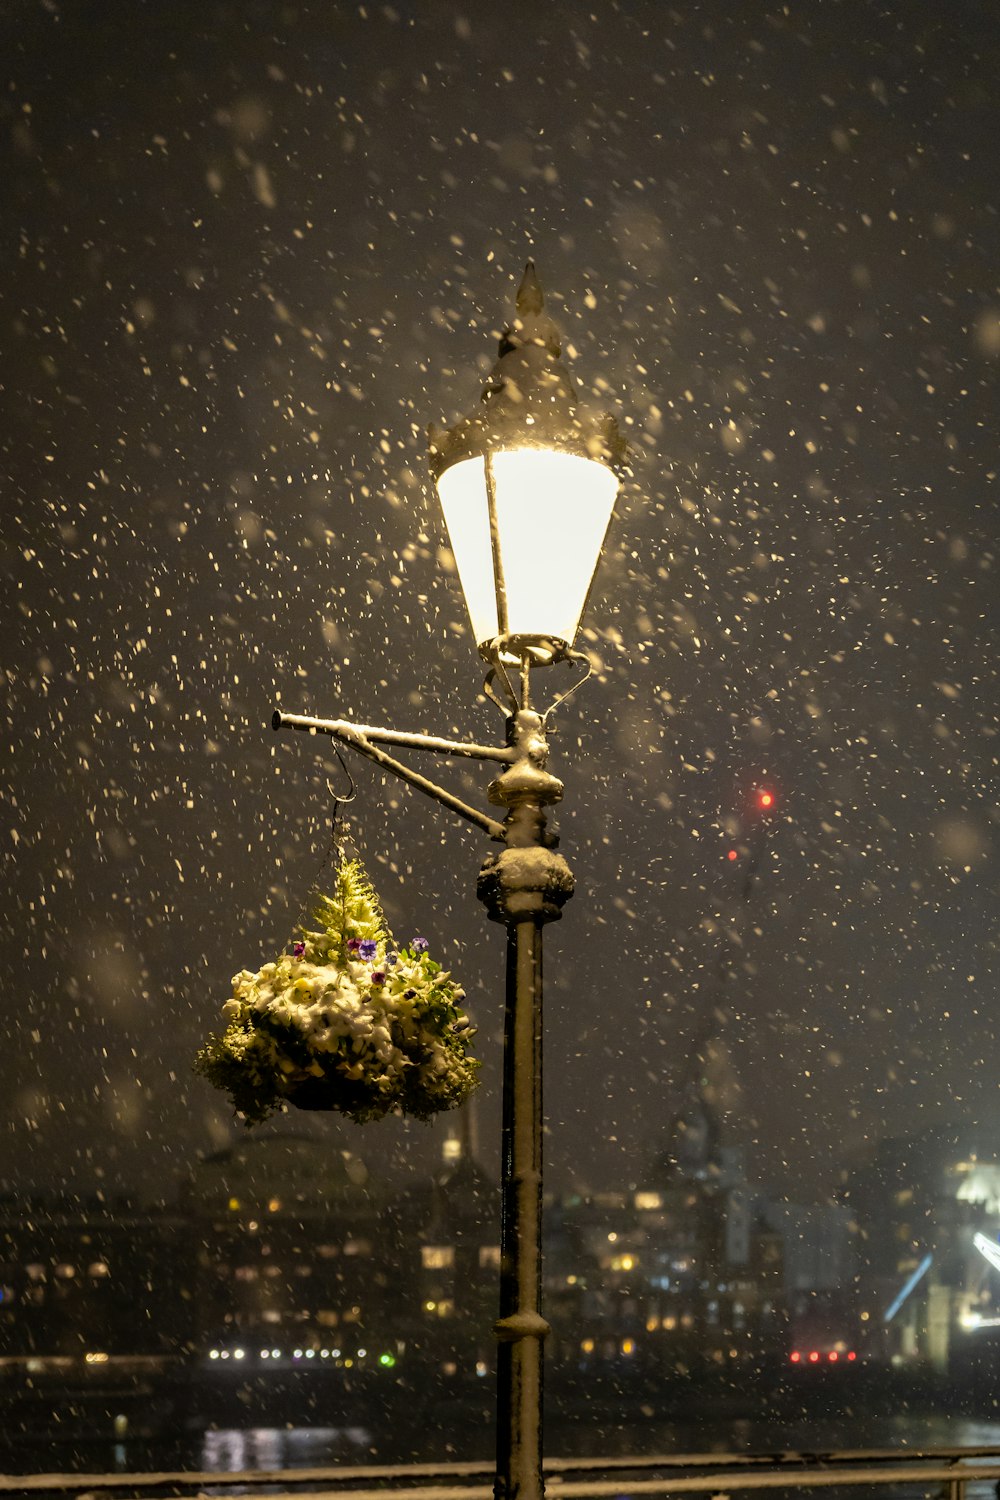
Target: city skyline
<point>770,243</point>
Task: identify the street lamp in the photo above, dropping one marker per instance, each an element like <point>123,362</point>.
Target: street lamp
<point>527,484</point>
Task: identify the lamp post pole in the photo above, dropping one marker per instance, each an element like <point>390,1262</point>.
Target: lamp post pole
<point>523,887</point>
<point>527,482</point>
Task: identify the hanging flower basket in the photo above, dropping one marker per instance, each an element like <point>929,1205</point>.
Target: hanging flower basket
<point>345,1022</point>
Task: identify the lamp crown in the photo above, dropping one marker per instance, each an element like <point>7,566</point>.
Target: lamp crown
<point>529,399</point>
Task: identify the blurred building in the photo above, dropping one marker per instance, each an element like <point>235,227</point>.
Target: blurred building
<point>93,1279</point>
<point>284,1251</point>
<point>927,1209</point>
<point>298,1248</point>
<point>680,1271</point>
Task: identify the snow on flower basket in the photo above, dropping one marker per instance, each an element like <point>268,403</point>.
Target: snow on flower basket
<point>345,1021</point>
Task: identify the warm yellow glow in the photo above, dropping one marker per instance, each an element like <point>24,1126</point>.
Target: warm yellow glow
<point>437,1257</point>
<point>648,1200</point>
<point>552,511</point>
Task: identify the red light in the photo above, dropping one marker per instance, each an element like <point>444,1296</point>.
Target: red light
<point>813,1356</point>
<point>795,1356</point>
<point>733,854</point>
<point>852,1355</point>
<point>765,799</point>
<point>833,1356</point>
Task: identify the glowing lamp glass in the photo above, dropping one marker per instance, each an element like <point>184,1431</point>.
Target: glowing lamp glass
<point>552,514</point>
<point>766,799</point>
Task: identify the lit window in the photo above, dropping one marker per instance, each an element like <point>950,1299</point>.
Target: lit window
<point>437,1257</point>
<point>647,1201</point>
<point>357,1247</point>
<point>489,1257</point>
<point>66,1271</point>
<point>98,1268</point>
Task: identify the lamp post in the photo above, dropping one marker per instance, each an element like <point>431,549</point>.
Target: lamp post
<point>527,484</point>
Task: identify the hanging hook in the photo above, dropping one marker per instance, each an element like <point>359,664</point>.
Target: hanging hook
<point>335,797</point>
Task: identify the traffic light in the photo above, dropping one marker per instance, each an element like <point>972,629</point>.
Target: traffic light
<point>765,800</point>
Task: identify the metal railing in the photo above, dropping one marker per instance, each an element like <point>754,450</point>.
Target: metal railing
<point>943,1473</point>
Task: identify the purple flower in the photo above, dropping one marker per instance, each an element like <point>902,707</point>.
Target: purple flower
<point>298,949</point>
<point>391,960</point>
<point>409,994</point>
<point>378,976</point>
<point>353,944</point>
<point>366,948</point>
<point>420,945</point>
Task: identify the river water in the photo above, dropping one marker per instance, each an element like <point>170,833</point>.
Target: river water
<point>460,1431</point>
<point>228,1450</point>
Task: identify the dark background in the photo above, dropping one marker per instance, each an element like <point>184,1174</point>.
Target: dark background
<point>249,251</point>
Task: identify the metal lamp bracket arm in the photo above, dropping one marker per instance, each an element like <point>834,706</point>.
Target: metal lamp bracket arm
<point>360,736</point>
<point>561,698</point>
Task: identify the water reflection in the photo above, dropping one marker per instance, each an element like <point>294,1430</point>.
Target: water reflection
<point>236,1450</point>
<point>239,1450</point>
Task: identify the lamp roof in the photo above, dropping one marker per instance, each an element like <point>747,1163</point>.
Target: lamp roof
<point>529,399</point>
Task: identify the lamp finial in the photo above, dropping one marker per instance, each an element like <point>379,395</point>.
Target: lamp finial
<point>530,297</point>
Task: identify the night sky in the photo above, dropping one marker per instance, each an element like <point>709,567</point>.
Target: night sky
<point>250,250</point>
